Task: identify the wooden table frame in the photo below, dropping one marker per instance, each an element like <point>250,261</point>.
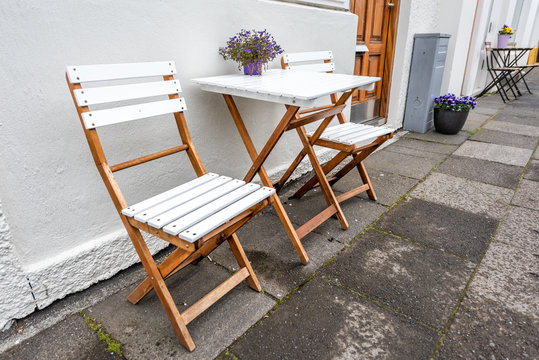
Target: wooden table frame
<point>291,121</point>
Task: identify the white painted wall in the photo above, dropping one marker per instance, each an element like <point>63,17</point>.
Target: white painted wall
<point>456,18</point>
<point>524,35</point>
<point>415,16</point>
<point>65,231</point>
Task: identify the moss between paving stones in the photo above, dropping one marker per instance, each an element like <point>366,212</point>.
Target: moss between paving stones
<point>112,345</point>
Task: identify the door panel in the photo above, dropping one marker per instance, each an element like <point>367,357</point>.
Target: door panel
<point>376,23</point>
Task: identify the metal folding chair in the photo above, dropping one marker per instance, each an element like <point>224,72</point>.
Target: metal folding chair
<point>196,216</point>
<point>350,139</point>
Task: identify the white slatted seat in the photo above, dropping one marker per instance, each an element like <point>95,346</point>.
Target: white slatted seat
<point>353,134</point>
<point>350,139</point>
<point>195,208</point>
<point>196,216</point>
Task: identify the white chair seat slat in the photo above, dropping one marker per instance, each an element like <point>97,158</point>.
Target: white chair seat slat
<point>108,94</point>
<point>363,139</point>
<point>351,139</point>
<point>94,119</point>
<point>180,199</point>
<point>312,67</point>
<point>331,129</point>
<point>351,133</point>
<point>87,73</point>
<point>189,206</point>
<point>307,56</point>
<point>157,199</point>
<point>177,226</point>
<point>344,132</point>
<point>202,228</point>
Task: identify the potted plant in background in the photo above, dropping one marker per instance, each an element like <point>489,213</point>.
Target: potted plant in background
<point>451,112</point>
<point>251,49</point>
<point>504,35</point>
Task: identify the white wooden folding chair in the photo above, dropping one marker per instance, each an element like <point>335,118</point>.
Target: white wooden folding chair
<point>350,139</point>
<point>196,216</point>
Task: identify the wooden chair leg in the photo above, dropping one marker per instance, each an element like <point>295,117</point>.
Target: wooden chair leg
<point>326,189</point>
<point>243,262</point>
<point>170,263</point>
<point>160,287</point>
<point>313,181</point>
<point>366,180</point>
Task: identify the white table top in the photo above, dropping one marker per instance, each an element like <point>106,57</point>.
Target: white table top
<point>290,87</point>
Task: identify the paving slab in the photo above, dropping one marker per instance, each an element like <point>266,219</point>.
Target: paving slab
<point>457,232</point>
<point>483,330</point>
<point>415,152</point>
<point>513,128</point>
<point>406,165</point>
<point>273,257</point>
<point>69,339</point>
<point>516,119</point>
<point>425,147</point>
<point>520,227</point>
<point>146,333</point>
<point>324,321</point>
<point>536,155</point>
<point>493,152</point>
<point>388,187</point>
<point>468,195</point>
<point>532,172</point>
<point>416,280</point>
<point>522,110</point>
<point>434,136</point>
<point>474,121</point>
<point>505,138</point>
<point>489,172</point>
<point>508,275</point>
<point>527,194</point>
<point>488,109</point>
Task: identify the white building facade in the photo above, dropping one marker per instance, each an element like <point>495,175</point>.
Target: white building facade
<point>59,232</point>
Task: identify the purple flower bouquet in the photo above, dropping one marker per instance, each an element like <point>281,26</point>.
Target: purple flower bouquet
<point>451,102</point>
<point>251,49</point>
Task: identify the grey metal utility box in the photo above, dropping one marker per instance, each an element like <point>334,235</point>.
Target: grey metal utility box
<point>426,72</point>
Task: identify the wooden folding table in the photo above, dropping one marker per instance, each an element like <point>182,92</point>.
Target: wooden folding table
<point>293,89</point>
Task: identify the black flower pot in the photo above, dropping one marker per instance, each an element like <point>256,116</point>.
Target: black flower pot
<point>449,122</point>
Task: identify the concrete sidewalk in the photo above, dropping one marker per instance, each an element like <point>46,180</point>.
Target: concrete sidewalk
<point>445,264</point>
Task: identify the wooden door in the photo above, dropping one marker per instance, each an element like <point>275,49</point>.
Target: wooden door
<point>376,30</point>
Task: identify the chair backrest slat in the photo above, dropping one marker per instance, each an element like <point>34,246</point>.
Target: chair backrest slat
<point>97,118</point>
<point>313,61</point>
<point>107,94</point>
<point>87,73</point>
<point>322,67</point>
<point>307,56</point>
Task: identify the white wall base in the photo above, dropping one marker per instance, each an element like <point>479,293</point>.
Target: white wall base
<point>16,299</point>
<point>80,267</point>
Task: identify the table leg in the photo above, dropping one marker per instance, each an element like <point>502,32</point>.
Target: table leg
<point>259,168</point>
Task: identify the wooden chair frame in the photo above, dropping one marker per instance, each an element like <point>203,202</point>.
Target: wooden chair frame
<point>186,252</point>
<point>320,179</point>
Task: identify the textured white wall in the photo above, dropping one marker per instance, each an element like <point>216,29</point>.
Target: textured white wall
<point>16,298</point>
<point>64,227</point>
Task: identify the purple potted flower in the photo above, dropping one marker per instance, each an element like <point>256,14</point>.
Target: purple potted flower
<point>251,49</point>
<point>451,112</point>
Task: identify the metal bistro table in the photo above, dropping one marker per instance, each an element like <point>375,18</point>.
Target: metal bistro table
<point>501,63</point>
<point>294,89</point>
